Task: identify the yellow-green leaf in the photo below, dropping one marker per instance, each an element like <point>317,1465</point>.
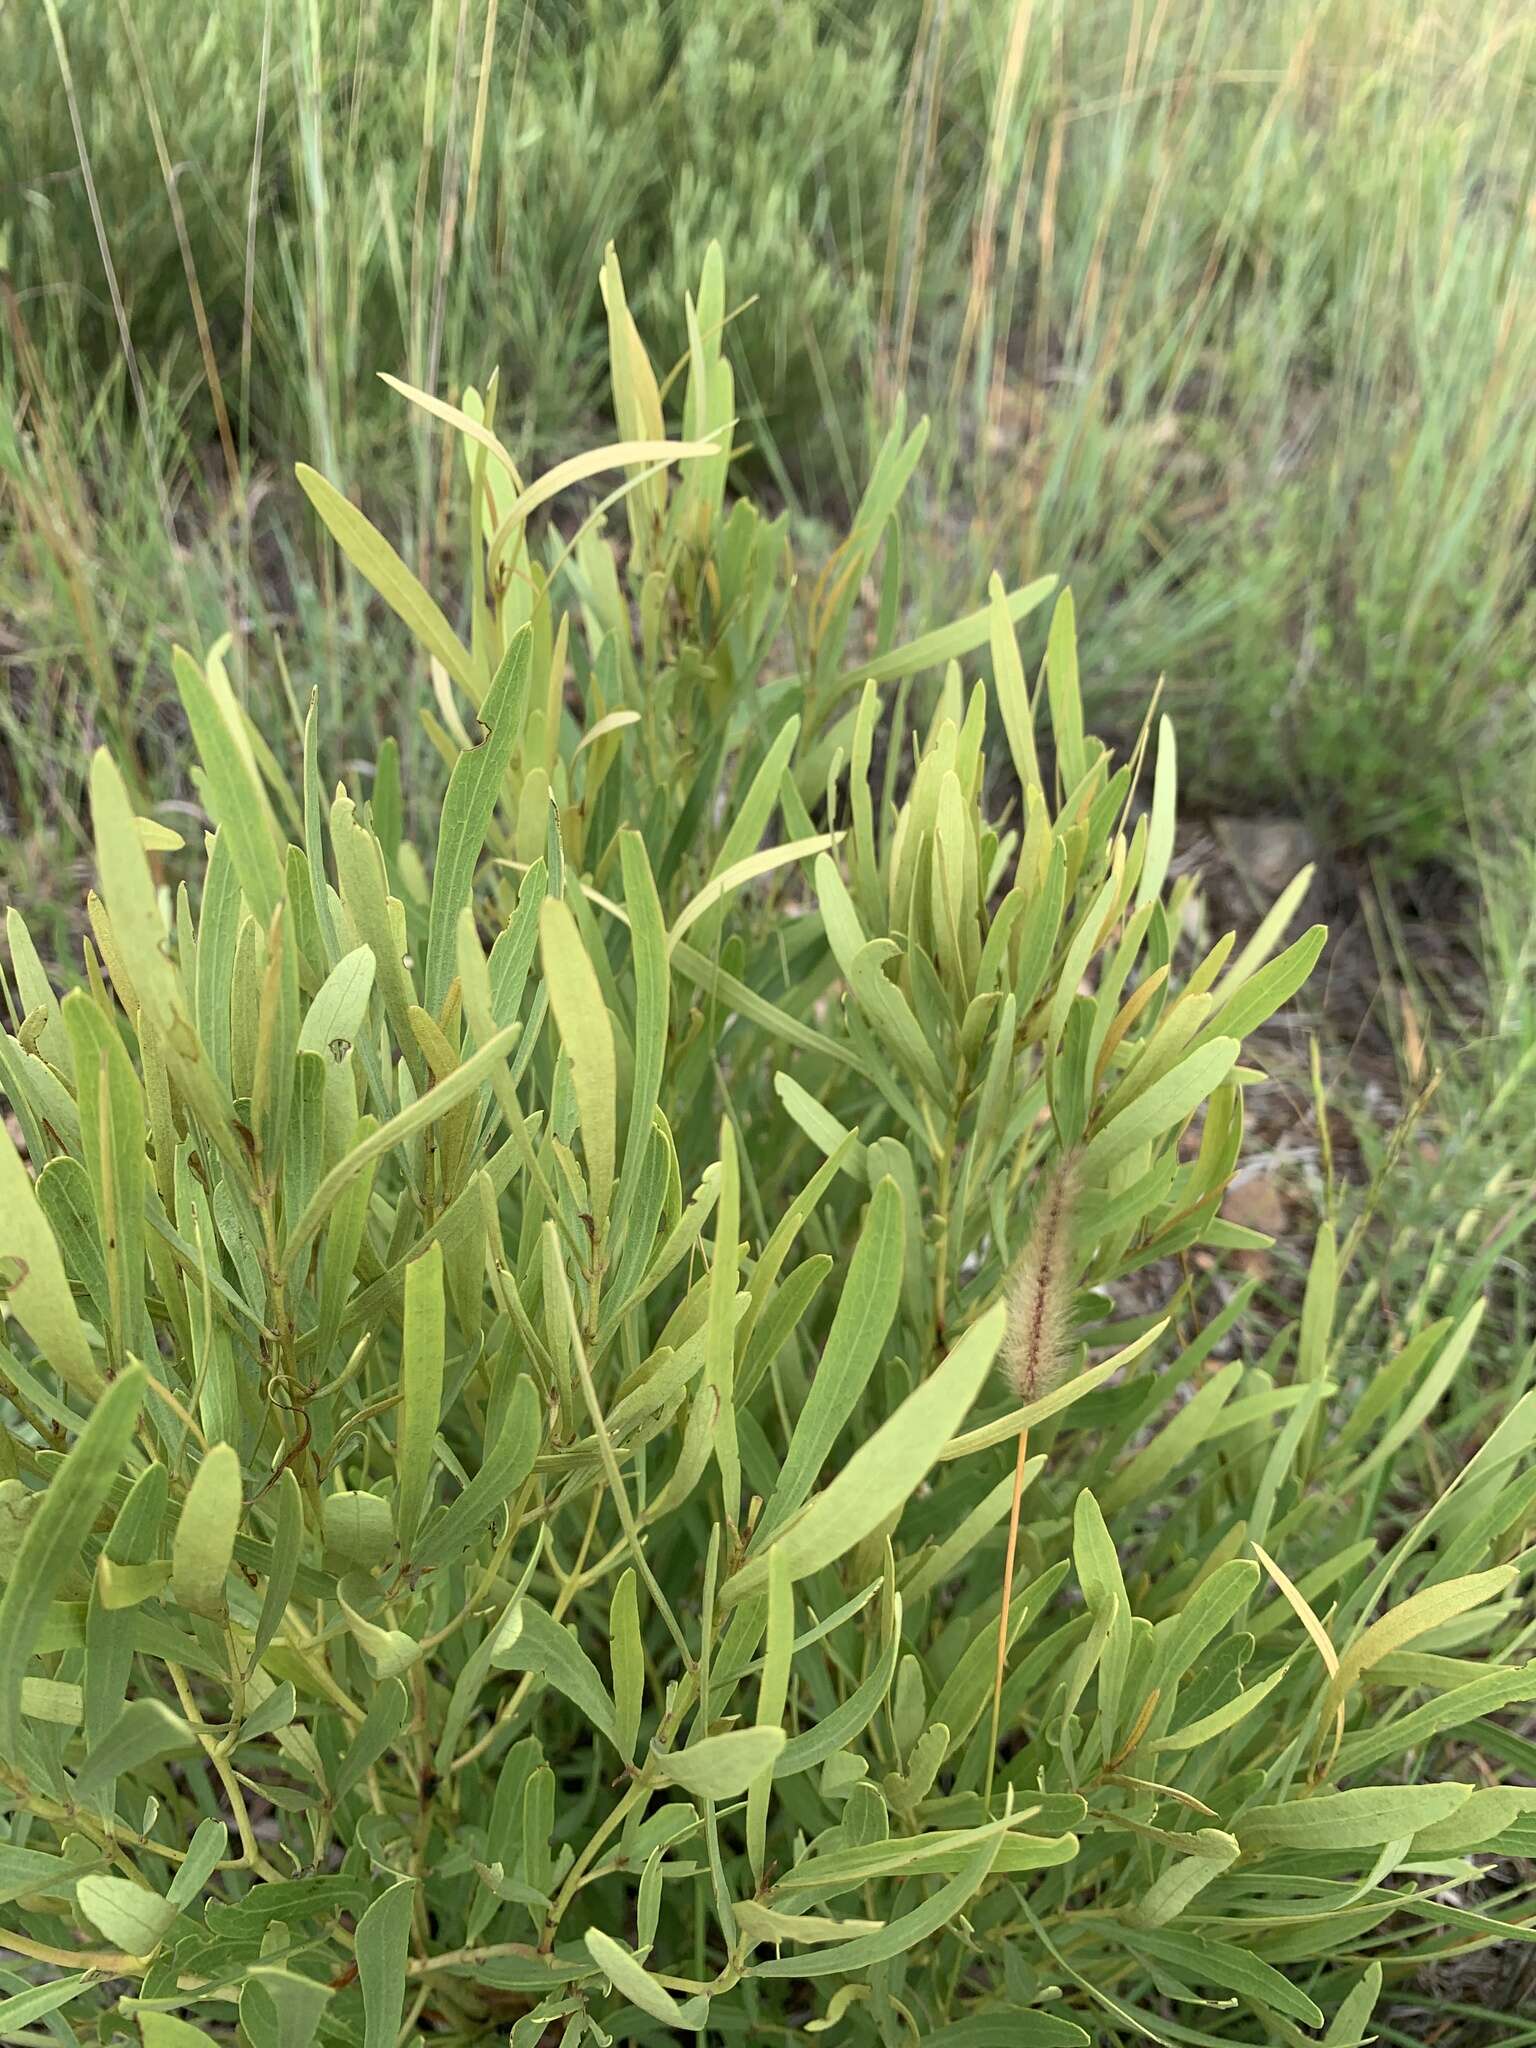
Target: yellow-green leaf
<point>131,1916</point>
<point>373,557</point>
<point>55,1535</point>
<point>421,1390</point>
<point>204,1544</point>
<point>37,1292</point>
<point>887,1467</point>
<point>586,1032</point>
<point>720,1766</point>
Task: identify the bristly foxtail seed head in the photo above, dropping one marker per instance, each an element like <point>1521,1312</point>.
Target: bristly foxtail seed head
<point>1040,1289</point>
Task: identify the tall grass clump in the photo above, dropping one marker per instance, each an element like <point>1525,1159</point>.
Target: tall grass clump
<point>1252,355</point>
<point>513,1425</point>
<point>1229,312</point>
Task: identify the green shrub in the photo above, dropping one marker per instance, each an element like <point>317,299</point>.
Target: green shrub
<point>507,1484</point>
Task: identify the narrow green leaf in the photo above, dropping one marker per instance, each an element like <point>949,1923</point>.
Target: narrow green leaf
<point>206,1850</point>
<point>886,1469</point>
<point>508,1461</point>
<point>283,1567</point>
<point>22,2008</point>
<point>465,1079</point>
<point>720,1766</point>
<point>55,1536</point>
<point>205,1535</point>
<point>537,1642</point>
<point>381,1725</point>
<point>237,800</point>
<point>944,643</point>
<point>38,1292</point>
<point>143,1732</point>
<point>382,1946</point>
<point>139,934</point>
<point>1064,693</point>
<point>748,869</point>
<point>865,1311</point>
<point>1360,1819</point>
<point>627,1657</point>
<point>1221,1964</point>
<point>773,1691</point>
<point>421,1391</point>
<point>720,1324</point>
<point>164,2030</point>
<point>586,1033</point>
<point>633,1982</point>
<point>1012,689</point>
<point>903,1933</point>
<point>1165,781</point>
<point>373,557</point>
<point>474,785</point>
<point>112,1126</point>
<point>648,940</point>
<point>132,1917</point>
<point>1256,999</point>
<point>1416,1616</point>
<point>1161,1107</point>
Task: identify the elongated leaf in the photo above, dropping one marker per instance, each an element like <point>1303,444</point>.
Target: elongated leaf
<point>586,1032</point>
<point>383,1942</point>
<point>421,1391</point>
<point>1012,689</point>
<point>164,2030</point>
<point>508,1461</point>
<point>903,1933</point>
<point>139,935</point>
<point>473,788</point>
<point>465,1079</point>
<point>772,1693</point>
<point>132,1917</point>
<point>865,1311</point>
<point>1062,689</point>
<point>206,1850</point>
<point>38,1292</point>
<point>1257,998</point>
<point>721,1766</point>
<point>884,1471</point>
<point>627,1656</point>
<point>112,1124</point>
<point>1154,868</point>
<point>633,1982</point>
<point>1360,1819</point>
<point>236,797</point>
<point>1226,1967</point>
<point>1166,1103</point>
<point>381,1725</point>
<point>594,461</point>
<point>143,1732</point>
<point>537,1642</point>
<point>944,643</point>
<point>1015,2028</point>
<point>21,2008</point>
<point>31,1870</point>
<point>55,1535</point>
<point>648,937</point>
<point>1416,1616</point>
<point>205,1534</point>
<point>284,1564</point>
<point>373,557</point>
<point>748,869</point>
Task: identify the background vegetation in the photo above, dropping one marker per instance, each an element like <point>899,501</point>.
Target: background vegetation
<point>1224,312</point>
